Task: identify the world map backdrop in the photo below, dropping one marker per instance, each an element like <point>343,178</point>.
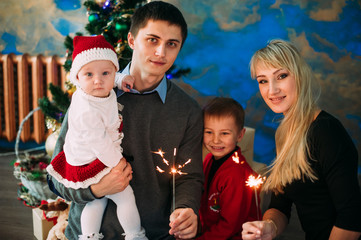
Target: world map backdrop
<point>223,35</point>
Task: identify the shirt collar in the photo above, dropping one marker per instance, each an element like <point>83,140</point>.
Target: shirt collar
<point>161,89</point>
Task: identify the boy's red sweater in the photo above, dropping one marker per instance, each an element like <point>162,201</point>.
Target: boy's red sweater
<point>228,203</point>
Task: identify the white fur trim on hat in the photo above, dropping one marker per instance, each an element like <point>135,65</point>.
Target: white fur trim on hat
<point>90,55</point>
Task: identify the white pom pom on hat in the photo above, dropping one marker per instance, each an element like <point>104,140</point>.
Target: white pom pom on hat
<point>88,49</point>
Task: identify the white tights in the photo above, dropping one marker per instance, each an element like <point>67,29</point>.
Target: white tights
<point>128,216</point>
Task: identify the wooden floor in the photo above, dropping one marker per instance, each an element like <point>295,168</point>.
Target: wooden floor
<point>16,221</point>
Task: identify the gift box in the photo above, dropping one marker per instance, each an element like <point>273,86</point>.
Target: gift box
<point>41,225</point>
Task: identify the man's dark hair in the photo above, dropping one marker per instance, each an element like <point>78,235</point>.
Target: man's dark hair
<point>158,10</point>
<point>225,107</point>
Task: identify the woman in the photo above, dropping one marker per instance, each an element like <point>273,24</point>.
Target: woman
<point>316,163</point>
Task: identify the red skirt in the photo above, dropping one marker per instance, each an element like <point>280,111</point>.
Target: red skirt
<point>76,176</point>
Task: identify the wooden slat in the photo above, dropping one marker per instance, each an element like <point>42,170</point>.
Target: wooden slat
<point>63,73</point>
<point>51,73</point>
<point>9,103</point>
<point>37,82</point>
<point>24,94</point>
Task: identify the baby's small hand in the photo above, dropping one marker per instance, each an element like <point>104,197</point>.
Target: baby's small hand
<point>124,82</point>
<point>127,83</point>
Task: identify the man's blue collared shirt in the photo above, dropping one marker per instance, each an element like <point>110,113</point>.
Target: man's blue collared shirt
<point>161,89</point>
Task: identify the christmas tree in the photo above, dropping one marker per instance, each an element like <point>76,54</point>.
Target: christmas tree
<point>110,18</point>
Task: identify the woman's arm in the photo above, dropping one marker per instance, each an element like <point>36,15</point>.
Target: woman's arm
<point>339,233</point>
<point>277,218</point>
<point>338,158</point>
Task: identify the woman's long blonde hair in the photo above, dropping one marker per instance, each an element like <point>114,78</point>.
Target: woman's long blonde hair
<point>291,136</point>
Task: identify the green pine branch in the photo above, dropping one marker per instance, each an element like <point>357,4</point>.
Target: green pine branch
<point>57,108</point>
<point>60,98</point>
<point>49,109</point>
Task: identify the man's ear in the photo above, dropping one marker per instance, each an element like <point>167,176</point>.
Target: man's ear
<point>241,134</point>
<point>131,40</point>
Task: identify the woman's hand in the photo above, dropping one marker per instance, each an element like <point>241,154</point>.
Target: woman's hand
<point>259,230</point>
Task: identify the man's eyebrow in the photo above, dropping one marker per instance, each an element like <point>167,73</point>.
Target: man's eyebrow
<point>174,40</point>
<point>156,36</point>
<point>152,35</point>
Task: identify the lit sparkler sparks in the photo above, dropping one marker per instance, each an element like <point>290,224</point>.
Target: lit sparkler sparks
<point>255,183</point>
<point>161,153</point>
<point>173,170</point>
<point>235,158</point>
<point>160,170</point>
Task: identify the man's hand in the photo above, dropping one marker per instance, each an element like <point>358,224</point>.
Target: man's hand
<point>183,223</point>
<point>115,181</point>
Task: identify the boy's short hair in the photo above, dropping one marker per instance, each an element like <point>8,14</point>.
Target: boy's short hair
<point>224,107</point>
<point>158,10</point>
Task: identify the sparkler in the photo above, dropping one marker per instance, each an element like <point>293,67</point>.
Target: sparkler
<point>173,170</point>
<point>255,183</point>
<point>173,173</point>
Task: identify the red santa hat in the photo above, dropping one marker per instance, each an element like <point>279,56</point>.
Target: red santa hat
<point>88,49</point>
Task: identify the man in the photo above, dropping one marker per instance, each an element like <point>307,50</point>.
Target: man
<point>157,115</point>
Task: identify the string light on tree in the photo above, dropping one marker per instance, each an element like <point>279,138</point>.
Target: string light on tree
<point>106,4</point>
<point>101,2</point>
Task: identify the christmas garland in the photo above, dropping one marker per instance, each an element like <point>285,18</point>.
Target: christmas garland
<point>30,168</point>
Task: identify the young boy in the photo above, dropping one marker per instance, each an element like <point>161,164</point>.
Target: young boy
<point>92,143</point>
<point>226,201</point>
